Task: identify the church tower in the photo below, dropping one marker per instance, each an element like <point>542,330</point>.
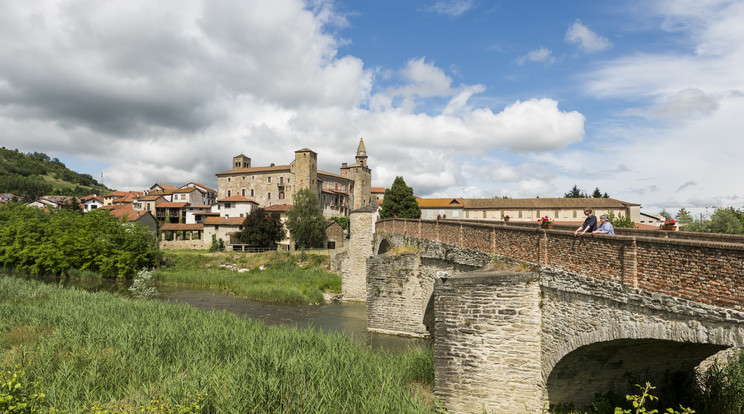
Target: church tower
<point>359,172</point>
<point>241,161</point>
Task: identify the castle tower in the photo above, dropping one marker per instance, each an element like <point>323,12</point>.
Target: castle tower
<point>361,154</point>
<point>306,169</point>
<point>241,161</point>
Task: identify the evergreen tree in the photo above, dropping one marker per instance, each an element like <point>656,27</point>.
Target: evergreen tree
<point>727,221</point>
<point>72,204</point>
<point>305,221</point>
<point>665,214</point>
<point>262,229</point>
<point>683,216</point>
<point>597,193</point>
<point>399,201</point>
<point>575,193</point>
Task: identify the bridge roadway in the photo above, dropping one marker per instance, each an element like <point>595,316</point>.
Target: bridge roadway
<point>595,312</point>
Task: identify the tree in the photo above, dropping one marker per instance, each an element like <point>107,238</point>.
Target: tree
<point>72,204</point>
<point>342,221</point>
<point>262,229</point>
<point>399,201</point>
<point>665,214</point>
<point>683,216</point>
<point>621,221</point>
<point>575,193</point>
<point>726,220</point>
<point>596,193</point>
<point>305,221</point>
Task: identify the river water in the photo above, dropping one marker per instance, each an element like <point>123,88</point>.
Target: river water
<point>349,318</point>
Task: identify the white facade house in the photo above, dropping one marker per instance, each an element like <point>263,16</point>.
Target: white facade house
<point>235,206</point>
<point>92,203</point>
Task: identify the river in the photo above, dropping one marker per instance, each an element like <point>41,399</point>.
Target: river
<point>349,318</point>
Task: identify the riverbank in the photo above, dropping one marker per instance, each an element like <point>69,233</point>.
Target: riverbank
<point>276,277</point>
<point>86,349</point>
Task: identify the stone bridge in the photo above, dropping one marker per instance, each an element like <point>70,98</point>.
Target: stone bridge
<point>574,316</point>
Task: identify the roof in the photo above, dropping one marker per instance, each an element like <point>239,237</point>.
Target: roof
<point>536,203</point>
<point>224,221</point>
<point>651,215</point>
<point>201,185</point>
<point>333,175</point>
<point>172,205</point>
<point>200,207</point>
<point>127,213</point>
<point>253,170</point>
<point>377,190</point>
<point>181,226</point>
<point>164,186</point>
<point>90,198</point>
<point>236,199</point>
<point>440,202</point>
<point>280,208</point>
<point>150,197</point>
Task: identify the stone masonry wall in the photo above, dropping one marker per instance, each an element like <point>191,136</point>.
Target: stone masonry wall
<point>354,267</point>
<point>702,270</point>
<point>184,245</point>
<point>487,348</point>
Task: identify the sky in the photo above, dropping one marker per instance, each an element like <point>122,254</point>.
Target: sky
<point>462,98</point>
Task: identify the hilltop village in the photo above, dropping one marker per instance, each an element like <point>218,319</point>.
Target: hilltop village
<point>190,216</point>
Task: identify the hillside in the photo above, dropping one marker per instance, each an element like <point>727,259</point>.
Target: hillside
<point>35,174</point>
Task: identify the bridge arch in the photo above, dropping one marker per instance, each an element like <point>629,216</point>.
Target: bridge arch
<point>383,246</point>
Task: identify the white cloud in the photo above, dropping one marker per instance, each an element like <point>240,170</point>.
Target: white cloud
<point>537,55</point>
<point>453,8</point>
<point>587,40</point>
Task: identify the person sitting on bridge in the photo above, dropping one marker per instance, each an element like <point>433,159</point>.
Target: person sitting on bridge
<point>590,224</point>
<point>604,225</point>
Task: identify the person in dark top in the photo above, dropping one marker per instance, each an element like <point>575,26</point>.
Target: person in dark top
<point>590,224</point>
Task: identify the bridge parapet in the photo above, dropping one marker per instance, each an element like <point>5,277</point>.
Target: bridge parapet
<point>705,271</point>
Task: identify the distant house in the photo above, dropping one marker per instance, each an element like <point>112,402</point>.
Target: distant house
<point>169,212</point>
<point>120,197</point>
<point>211,194</point>
<point>333,235</point>
<point>149,203</point>
<point>91,202</point>
<point>561,210</point>
<point>127,213</point>
<point>433,208</point>
<point>224,228</point>
<point>197,214</point>
<point>43,203</point>
<point>651,220</point>
<point>8,197</point>
<point>235,206</point>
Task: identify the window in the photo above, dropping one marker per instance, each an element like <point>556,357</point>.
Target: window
<point>538,213</point>
<point>281,180</point>
<point>229,193</point>
<point>251,192</point>
<point>241,215</point>
<point>556,213</point>
<point>520,213</point>
<point>484,213</point>
<point>281,195</point>
<point>228,179</point>
<point>455,213</point>
<point>242,192</point>
<point>227,205</point>
<point>268,196</point>
<point>467,214</point>
<point>287,180</point>
<point>269,180</point>
<point>574,213</point>
<point>244,178</point>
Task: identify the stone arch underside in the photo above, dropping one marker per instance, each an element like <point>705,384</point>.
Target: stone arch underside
<point>383,247</point>
<point>609,342</point>
<point>616,366</point>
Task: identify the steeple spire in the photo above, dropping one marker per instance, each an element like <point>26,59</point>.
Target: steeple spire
<point>361,154</point>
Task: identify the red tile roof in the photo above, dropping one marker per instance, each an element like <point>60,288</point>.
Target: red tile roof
<point>126,212</point>
<point>200,185</point>
<point>237,198</point>
<point>333,175</point>
<point>181,226</point>
<point>440,202</point>
<point>224,221</point>
<point>546,203</point>
<point>378,190</point>
<point>172,205</point>
<point>279,208</point>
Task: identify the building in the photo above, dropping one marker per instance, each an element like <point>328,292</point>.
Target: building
<point>91,202</point>
<point>441,208</point>
<point>562,210</point>
<point>276,184</point>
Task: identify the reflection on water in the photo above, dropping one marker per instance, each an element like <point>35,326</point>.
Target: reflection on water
<point>347,317</point>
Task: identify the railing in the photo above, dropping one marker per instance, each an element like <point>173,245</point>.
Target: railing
<point>707,269</point>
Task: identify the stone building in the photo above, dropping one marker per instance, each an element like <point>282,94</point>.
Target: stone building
<point>338,194</point>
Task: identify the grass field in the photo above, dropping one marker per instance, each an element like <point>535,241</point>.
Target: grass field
<point>271,277</point>
<point>99,350</point>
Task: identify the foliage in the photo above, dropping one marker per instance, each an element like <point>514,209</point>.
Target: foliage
<point>72,204</point>
<point>545,220</point>
<point>17,395</point>
<point>620,221</point>
<point>669,222</point>
<point>53,243</point>
<point>665,214</point>
<point>399,201</point>
<point>577,193</point>
<point>683,216</point>
<point>262,229</point>
<point>90,348</point>
<point>35,174</point>
<point>722,387</point>
<point>342,221</point>
<point>270,277</point>
<point>143,286</point>
<point>724,220</point>
<point>305,220</point>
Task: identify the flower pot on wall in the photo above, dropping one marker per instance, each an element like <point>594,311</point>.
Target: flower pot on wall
<point>668,228</point>
<point>546,226</point>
